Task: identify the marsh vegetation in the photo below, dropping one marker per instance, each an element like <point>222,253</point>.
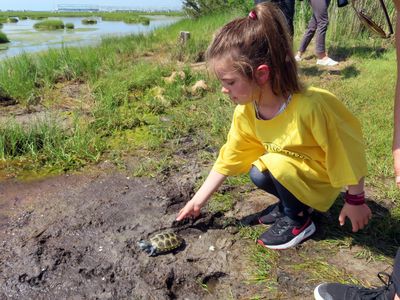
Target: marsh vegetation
<point>49,25</point>
<point>89,21</point>
<point>3,38</point>
<point>132,97</point>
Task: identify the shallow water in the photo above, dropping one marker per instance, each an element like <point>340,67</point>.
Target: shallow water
<point>24,38</point>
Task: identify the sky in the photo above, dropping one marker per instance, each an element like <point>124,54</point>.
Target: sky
<point>45,5</point>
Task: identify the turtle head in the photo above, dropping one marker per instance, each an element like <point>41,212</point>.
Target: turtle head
<point>146,247</point>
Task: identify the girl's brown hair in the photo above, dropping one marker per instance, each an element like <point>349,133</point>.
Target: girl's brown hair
<point>261,38</point>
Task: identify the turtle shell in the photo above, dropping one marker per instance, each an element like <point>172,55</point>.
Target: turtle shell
<point>165,241</point>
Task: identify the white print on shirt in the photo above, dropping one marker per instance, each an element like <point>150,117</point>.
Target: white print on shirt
<point>274,148</point>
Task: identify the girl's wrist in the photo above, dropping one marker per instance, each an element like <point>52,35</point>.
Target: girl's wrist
<point>356,199</point>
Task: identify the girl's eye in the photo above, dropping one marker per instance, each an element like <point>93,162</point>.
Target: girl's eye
<point>231,83</point>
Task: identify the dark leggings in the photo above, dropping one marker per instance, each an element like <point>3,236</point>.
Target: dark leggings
<point>289,204</point>
<point>396,273</point>
<point>318,23</point>
<point>287,7</point>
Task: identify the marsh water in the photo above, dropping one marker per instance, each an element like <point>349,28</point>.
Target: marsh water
<point>25,38</point>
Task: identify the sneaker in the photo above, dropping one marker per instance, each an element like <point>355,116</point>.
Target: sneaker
<point>271,214</point>
<point>327,61</point>
<point>286,233</point>
<point>298,58</point>
<point>333,291</point>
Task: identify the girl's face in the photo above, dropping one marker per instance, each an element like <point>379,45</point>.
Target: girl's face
<point>239,88</point>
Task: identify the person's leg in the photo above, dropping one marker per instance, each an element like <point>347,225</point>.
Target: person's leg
<point>396,274</point>
<point>287,7</point>
<point>320,10</point>
<point>293,227</point>
<point>292,207</point>
<point>264,181</point>
<point>307,36</point>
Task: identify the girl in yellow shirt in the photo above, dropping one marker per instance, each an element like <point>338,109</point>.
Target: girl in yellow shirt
<point>300,144</point>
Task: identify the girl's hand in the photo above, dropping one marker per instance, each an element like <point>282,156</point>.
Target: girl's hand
<point>359,215</point>
<point>191,209</point>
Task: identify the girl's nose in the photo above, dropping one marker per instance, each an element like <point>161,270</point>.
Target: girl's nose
<point>224,90</point>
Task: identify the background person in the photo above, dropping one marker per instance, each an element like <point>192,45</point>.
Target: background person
<point>318,25</point>
<point>287,7</point>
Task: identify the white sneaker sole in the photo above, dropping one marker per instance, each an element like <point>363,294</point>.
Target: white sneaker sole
<point>309,231</point>
<point>317,296</point>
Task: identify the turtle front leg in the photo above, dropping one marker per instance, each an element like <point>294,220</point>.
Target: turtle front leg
<point>153,251</point>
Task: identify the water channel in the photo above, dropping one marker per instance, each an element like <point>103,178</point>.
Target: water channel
<point>25,38</point>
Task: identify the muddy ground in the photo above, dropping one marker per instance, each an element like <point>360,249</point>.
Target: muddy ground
<point>75,237</point>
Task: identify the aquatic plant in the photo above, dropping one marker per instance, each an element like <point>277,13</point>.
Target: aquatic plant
<point>12,20</point>
<point>89,21</point>
<point>69,25</point>
<point>49,25</point>
<point>3,38</point>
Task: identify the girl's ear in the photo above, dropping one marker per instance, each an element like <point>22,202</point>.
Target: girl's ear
<point>262,74</point>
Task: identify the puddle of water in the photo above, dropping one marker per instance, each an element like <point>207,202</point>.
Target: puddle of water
<point>24,38</point>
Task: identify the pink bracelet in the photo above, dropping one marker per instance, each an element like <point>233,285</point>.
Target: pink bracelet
<point>358,199</point>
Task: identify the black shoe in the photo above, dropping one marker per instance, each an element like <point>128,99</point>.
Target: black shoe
<point>287,232</point>
<point>333,291</point>
<point>271,214</point>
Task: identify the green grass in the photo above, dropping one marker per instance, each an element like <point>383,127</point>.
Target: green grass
<point>69,25</point>
<point>3,38</point>
<point>49,25</point>
<point>89,21</point>
<point>12,20</point>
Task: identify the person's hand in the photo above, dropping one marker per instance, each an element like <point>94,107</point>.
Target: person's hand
<point>359,215</point>
<point>191,209</point>
<point>396,157</point>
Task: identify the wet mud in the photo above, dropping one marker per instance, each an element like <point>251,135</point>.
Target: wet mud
<point>76,237</point>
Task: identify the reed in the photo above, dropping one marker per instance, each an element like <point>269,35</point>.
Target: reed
<point>12,20</point>
<point>89,21</point>
<point>69,25</point>
<point>49,25</point>
<point>3,38</point>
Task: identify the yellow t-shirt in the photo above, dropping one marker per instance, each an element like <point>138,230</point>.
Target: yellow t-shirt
<point>313,148</point>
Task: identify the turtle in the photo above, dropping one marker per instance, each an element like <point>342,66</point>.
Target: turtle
<point>161,242</point>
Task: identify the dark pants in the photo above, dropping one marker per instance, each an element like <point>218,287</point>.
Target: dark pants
<point>287,7</point>
<point>396,272</point>
<point>289,204</point>
<point>318,24</point>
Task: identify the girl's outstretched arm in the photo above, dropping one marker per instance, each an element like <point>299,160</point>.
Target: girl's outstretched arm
<point>192,208</point>
<point>359,215</point>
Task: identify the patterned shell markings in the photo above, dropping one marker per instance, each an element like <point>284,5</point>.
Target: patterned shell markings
<point>166,241</point>
<point>161,242</point>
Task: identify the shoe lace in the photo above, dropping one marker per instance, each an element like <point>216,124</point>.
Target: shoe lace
<point>386,279</point>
